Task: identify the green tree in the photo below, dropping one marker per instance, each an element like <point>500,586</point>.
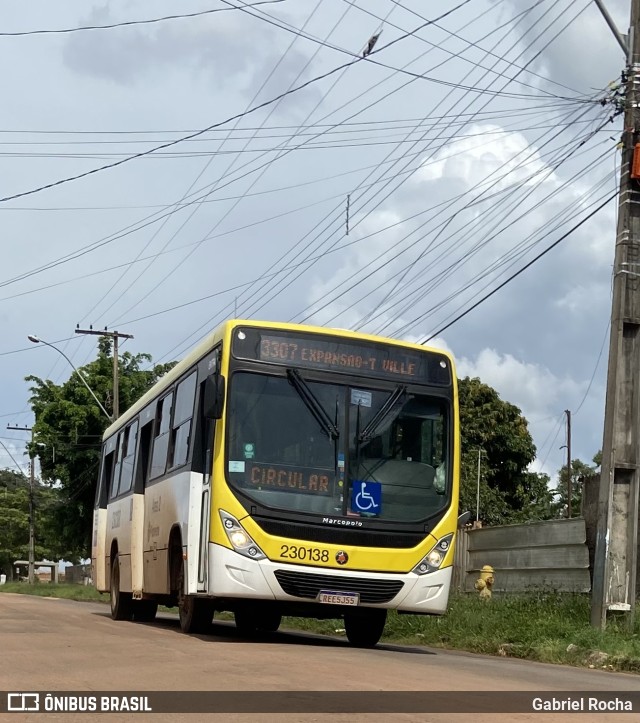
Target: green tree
<point>14,521</point>
<point>509,492</point>
<point>68,431</point>
<point>579,472</point>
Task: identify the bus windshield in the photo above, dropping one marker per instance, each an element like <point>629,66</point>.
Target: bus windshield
<point>388,460</point>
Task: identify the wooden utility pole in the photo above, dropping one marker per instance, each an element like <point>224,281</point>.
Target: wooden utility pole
<point>569,480</point>
<point>614,572</point>
<point>32,506</point>
<point>115,336</point>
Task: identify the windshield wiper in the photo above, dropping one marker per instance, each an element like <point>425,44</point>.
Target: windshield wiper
<point>369,431</point>
<point>313,404</point>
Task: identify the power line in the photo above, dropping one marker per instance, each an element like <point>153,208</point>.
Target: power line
<point>288,150</point>
<point>529,62</point>
<point>237,116</point>
<point>524,268</point>
<point>289,28</point>
<point>495,232</point>
<point>233,162</point>
<point>521,69</point>
<point>127,23</point>
<point>468,43</point>
<point>553,441</point>
<point>387,123</point>
<point>135,227</point>
<point>448,203</point>
<point>595,369</point>
<point>370,200</point>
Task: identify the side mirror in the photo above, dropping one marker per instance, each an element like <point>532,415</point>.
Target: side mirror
<point>463,519</point>
<point>213,401</point>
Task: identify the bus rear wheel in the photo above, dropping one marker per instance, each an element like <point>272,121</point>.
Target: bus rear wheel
<point>195,613</point>
<point>120,601</point>
<point>144,611</point>
<point>364,628</point>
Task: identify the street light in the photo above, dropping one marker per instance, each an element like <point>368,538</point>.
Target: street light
<point>37,340</point>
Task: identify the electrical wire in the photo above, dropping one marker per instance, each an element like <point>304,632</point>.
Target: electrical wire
<point>231,165</point>
<point>557,428</point>
<point>334,126</point>
<point>333,294</point>
<point>492,233</point>
<point>378,202</point>
<point>401,279</point>
<point>469,45</point>
<point>471,89</point>
<point>521,270</point>
<point>127,23</point>
<point>141,154</point>
<point>595,369</point>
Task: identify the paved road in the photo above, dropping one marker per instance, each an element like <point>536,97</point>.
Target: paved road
<point>48,644</point>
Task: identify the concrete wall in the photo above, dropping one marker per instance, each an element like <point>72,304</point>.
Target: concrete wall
<point>549,555</point>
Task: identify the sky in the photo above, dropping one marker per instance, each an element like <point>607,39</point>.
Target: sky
<point>387,194</point>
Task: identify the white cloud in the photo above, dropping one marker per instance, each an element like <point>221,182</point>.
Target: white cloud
<point>540,394</point>
<point>506,158</point>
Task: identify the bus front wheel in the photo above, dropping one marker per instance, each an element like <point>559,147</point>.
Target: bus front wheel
<point>120,601</point>
<point>364,627</point>
<point>254,620</point>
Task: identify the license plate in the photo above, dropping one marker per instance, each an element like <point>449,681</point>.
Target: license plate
<point>335,597</point>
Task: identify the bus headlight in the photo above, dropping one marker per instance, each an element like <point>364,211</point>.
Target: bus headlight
<point>432,561</point>
<point>239,538</point>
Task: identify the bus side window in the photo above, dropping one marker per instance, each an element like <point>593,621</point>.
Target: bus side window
<point>116,471</point>
<point>129,453</point>
<point>105,480</point>
<point>181,427</point>
<point>142,460</point>
<point>161,439</point>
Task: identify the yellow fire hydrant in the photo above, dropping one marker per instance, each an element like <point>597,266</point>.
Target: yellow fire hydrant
<point>485,582</point>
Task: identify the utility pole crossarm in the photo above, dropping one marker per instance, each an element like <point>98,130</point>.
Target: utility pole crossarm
<point>116,336</point>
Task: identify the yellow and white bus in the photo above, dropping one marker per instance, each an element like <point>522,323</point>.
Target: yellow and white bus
<point>284,470</point>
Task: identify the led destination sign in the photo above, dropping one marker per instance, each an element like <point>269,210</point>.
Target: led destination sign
<point>341,355</point>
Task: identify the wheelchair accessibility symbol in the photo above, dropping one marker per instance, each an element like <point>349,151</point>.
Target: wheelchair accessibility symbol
<point>366,497</point>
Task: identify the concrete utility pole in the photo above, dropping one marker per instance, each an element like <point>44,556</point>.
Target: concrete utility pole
<point>614,573</point>
<point>480,453</point>
<point>32,507</point>
<point>569,480</point>
<point>115,335</point>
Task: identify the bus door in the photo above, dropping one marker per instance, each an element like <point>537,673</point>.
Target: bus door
<point>203,463</point>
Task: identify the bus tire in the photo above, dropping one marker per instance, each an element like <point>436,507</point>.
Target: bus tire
<point>196,613</point>
<point>269,621</point>
<point>252,620</point>
<point>364,627</point>
<point>144,611</point>
<point>121,602</point>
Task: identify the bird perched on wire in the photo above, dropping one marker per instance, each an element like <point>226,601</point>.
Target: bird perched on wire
<point>371,43</point>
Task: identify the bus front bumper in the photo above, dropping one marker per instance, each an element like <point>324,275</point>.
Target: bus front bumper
<point>234,576</point>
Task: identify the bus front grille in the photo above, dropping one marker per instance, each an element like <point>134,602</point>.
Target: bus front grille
<point>308,585</point>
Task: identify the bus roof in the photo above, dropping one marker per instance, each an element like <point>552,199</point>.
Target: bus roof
<point>224,331</point>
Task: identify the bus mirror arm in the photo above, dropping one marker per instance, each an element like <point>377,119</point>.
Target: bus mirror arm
<point>463,519</point>
<point>214,388</point>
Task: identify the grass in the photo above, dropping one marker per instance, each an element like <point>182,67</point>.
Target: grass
<point>84,593</point>
<point>547,627</point>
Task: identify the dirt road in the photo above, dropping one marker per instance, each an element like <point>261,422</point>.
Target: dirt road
<point>49,645</point>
